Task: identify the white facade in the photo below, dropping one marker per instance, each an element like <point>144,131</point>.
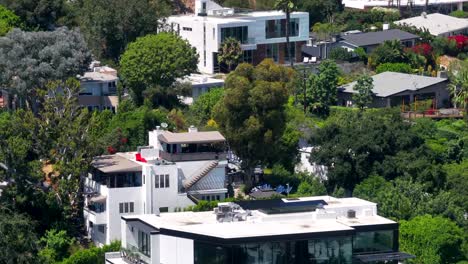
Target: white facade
<point>120,185</point>
<point>99,89</point>
<point>365,4</point>
<point>204,31</point>
<point>174,236</point>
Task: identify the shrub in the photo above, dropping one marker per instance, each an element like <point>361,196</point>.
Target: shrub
<point>459,14</point>
<point>340,54</point>
<point>394,67</point>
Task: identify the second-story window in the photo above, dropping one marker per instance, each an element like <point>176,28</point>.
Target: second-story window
<point>186,28</point>
<point>125,208</point>
<point>161,181</point>
<point>239,33</point>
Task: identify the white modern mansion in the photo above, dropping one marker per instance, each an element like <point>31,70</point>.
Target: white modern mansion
<point>175,171</point>
<point>320,229</point>
<point>368,4</point>
<point>262,34</point>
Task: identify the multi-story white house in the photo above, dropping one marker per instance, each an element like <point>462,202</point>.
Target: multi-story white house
<point>99,89</point>
<point>319,229</point>
<point>175,171</point>
<point>262,34</point>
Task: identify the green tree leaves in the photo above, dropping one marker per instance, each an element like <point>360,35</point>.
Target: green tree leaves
<point>8,21</point>
<point>364,87</point>
<point>230,52</point>
<point>156,60</point>
<point>322,88</point>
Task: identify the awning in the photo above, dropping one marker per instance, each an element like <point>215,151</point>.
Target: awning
<point>369,258</point>
<point>98,199</point>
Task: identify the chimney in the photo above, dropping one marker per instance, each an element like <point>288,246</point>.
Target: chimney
<point>192,129</point>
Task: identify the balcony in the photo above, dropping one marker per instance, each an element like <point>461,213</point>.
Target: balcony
<point>95,217</point>
<point>175,157</point>
<point>250,44</point>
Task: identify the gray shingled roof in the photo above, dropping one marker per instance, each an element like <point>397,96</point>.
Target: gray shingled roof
<point>375,38</point>
<point>389,83</point>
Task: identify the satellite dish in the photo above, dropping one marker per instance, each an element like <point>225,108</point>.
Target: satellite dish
<point>164,125</point>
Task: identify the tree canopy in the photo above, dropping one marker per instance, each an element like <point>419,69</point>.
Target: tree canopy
<point>110,25</point>
<point>8,20</point>
<point>230,52</point>
<point>29,60</point>
<point>364,96</point>
<point>322,89</point>
<point>156,60</point>
<point>252,112</point>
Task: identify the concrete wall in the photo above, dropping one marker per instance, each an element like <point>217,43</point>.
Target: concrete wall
<point>175,250</point>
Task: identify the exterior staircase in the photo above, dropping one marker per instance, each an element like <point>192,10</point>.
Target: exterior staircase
<point>199,174</point>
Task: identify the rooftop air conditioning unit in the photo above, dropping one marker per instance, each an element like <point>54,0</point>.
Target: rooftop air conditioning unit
<point>351,214</point>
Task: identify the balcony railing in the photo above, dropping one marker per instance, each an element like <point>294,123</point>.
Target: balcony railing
<point>174,157</point>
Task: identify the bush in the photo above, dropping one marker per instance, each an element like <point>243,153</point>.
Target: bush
<point>92,255</point>
<point>459,14</point>
<point>341,54</point>
<point>394,67</point>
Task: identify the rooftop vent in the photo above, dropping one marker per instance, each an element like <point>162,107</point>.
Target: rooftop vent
<point>351,214</point>
<point>230,213</point>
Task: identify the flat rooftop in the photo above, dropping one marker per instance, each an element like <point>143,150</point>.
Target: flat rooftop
<point>241,17</point>
<point>361,4</point>
<point>331,218</point>
<point>191,137</point>
<point>436,23</point>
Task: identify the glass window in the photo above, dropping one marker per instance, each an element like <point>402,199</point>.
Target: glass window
<point>277,28</point>
<point>156,181</point>
<point>167,180</point>
<point>126,207</point>
<point>144,243</point>
<point>132,207</point>
<point>121,208</point>
<point>239,33</point>
<point>161,181</point>
<point>102,228</point>
<point>375,241</point>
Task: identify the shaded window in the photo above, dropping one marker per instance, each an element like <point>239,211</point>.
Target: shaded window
<point>167,180</point>
<point>144,243</point>
<point>101,228</point>
<point>163,209</point>
<point>277,28</point>
<point>239,33</point>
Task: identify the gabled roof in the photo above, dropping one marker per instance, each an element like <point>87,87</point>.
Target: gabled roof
<point>389,83</point>
<point>115,163</point>
<point>436,23</point>
<point>191,137</point>
<point>375,38</point>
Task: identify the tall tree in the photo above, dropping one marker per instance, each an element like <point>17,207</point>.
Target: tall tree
<point>18,241</point>
<point>252,113</point>
<point>287,6</point>
<point>29,60</point>
<point>459,86</point>
<point>322,89</point>
<point>364,87</point>
<point>431,239</point>
<point>156,60</point>
<point>230,52</point>
<point>40,15</point>
<point>110,25</point>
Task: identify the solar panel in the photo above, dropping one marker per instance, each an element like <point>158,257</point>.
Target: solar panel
<point>278,206</point>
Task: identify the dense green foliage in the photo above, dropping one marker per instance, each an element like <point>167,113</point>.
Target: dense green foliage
<point>45,56</point>
<point>109,26</point>
<point>252,114</point>
<point>432,239</point>
<point>322,89</point>
<point>394,67</point>
<point>341,54</point>
<point>364,96</point>
<point>202,108</point>
<point>230,53</point>
<point>156,61</point>
<point>8,20</point>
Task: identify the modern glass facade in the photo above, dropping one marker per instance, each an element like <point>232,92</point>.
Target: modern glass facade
<point>334,250</point>
<point>277,28</point>
<point>239,33</point>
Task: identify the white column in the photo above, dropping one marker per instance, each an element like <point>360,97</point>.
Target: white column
<point>460,6</point>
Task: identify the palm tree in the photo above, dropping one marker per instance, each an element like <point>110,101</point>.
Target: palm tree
<point>459,86</point>
<point>287,6</point>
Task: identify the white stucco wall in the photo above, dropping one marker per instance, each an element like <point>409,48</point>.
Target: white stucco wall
<point>175,250</point>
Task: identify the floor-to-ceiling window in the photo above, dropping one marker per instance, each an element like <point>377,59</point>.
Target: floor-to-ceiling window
<point>329,250</point>
<point>277,28</point>
<point>374,241</point>
<point>239,33</point>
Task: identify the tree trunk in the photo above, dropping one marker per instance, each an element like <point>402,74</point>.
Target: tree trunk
<point>288,49</point>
